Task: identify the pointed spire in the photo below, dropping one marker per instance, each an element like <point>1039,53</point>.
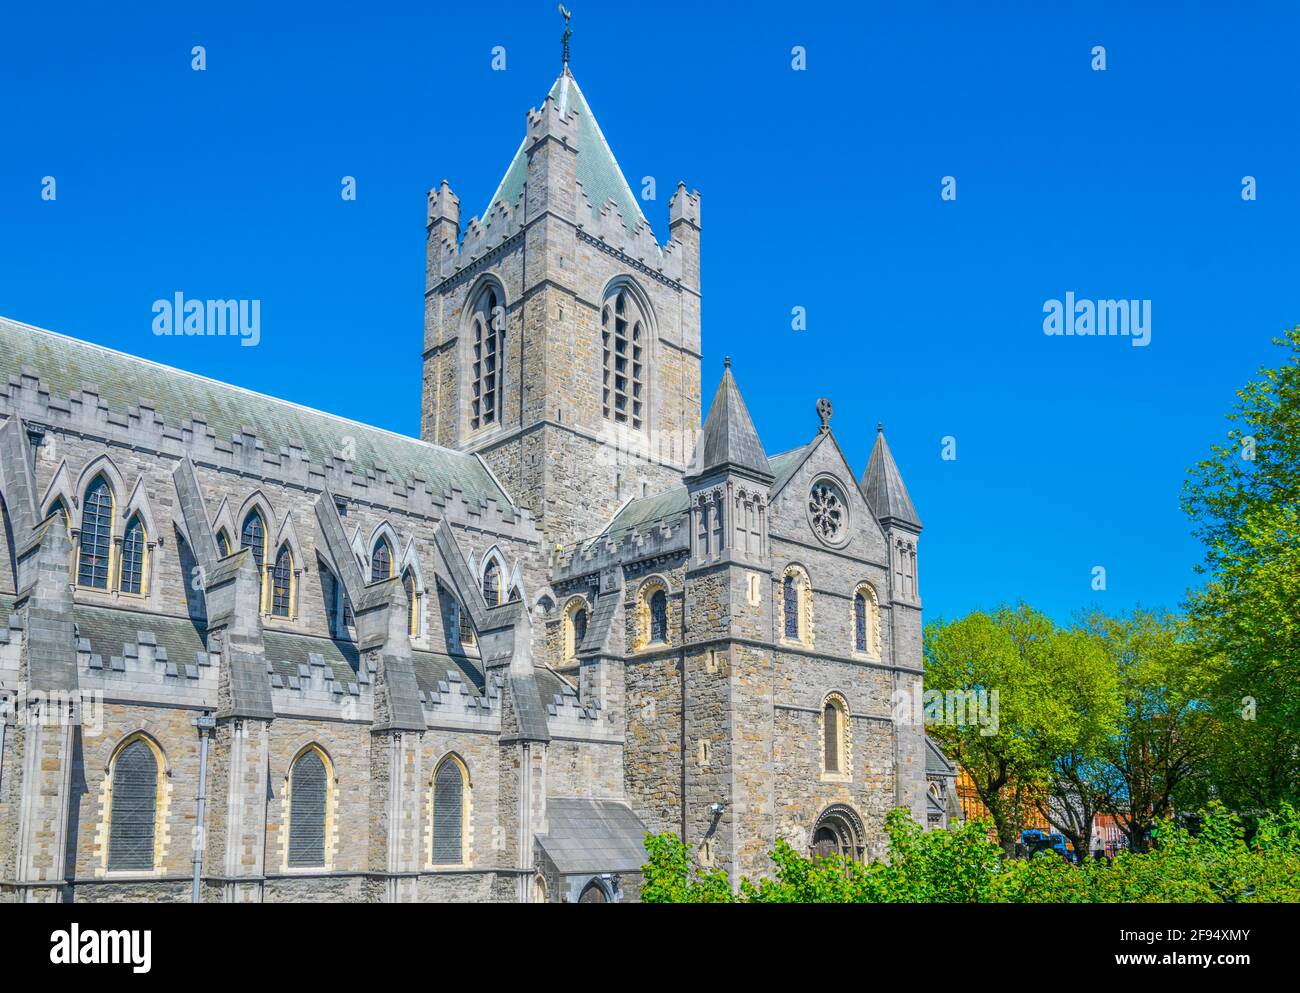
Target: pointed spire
<point>883,487</point>
<point>729,440</point>
<point>598,171</point>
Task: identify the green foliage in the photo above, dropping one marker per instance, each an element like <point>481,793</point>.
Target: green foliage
<point>1244,503</point>
<point>963,865</point>
<point>1056,700</point>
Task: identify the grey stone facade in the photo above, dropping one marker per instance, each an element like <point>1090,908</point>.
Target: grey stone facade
<point>631,666</point>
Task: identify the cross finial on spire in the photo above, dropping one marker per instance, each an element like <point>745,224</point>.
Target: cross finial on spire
<point>726,363</point>
<point>824,411</point>
<point>564,12</point>
<point>880,427</point>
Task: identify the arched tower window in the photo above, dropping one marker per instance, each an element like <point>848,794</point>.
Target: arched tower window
<point>96,535</point>
<point>282,584</point>
<point>488,334</point>
<point>381,561</point>
<point>658,616</point>
<point>796,606</point>
<point>450,784</point>
<point>308,802</point>
<point>575,627</point>
<point>134,808</point>
<point>790,607</point>
<point>132,571</point>
<point>652,613</point>
<point>866,621</point>
<point>223,543</point>
<point>412,604</point>
<point>492,583</point>
<point>836,741</point>
<point>624,339</point>
<point>253,537</point>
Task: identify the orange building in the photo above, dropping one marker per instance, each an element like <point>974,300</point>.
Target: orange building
<point>972,807</point>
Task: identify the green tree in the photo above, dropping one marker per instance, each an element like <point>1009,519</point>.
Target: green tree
<point>1244,503</point>
<point>1077,779</point>
<point>1050,689</point>
<point>1165,727</point>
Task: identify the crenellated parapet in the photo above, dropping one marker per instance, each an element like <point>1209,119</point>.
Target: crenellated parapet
<point>661,538</point>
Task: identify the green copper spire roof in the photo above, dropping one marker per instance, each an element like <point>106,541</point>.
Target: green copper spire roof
<point>598,170</point>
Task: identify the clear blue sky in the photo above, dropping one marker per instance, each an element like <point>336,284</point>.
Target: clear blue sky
<point>821,189</point>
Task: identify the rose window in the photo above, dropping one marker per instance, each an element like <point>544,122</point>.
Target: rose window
<point>827,512</point>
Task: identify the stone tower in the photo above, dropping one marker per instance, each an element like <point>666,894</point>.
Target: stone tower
<point>727,669</point>
<point>562,342</point>
<point>882,485</point>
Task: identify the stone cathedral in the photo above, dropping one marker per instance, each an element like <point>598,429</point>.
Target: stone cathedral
<point>250,651</point>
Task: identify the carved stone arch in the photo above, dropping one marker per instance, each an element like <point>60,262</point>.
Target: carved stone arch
<point>459,759</point>
<point>505,577</point>
<point>482,282</point>
<point>638,293</point>
<point>225,521</point>
<point>383,531</point>
<point>839,830</point>
<point>575,630</point>
<point>138,503</point>
<point>101,465</point>
<point>288,534</point>
<point>255,500</point>
<point>645,592</point>
<point>867,590</point>
<point>109,751</point>
<point>544,600</point>
<point>305,745</point>
<point>360,552</point>
<point>804,605</point>
<point>60,488</point>
<point>411,560</point>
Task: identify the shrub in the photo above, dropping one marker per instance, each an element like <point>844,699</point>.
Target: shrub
<point>963,865</point>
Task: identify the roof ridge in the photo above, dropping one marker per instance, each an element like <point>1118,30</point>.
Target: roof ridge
<point>231,386</point>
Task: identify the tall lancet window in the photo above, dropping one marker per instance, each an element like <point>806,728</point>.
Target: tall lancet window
<point>623,340</point>
<point>488,333</point>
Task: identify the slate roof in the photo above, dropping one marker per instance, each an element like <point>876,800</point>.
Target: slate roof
<point>66,365</point>
<point>432,669</point>
<point>667,505</point>
<point>883,488</point>
<point>785,464</point>
<point>113,632</point>
<point>285,651</point>
<point>598,170</point>
<point>591,836</point>
<point>936,761</point>
<point>729,440</point>
<point>670,506</point>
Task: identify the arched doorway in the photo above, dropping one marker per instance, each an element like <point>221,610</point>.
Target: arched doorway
<point>594,893</point>
<point>838,831</point>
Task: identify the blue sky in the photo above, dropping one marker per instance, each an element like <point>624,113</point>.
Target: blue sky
<point>820,189</point>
